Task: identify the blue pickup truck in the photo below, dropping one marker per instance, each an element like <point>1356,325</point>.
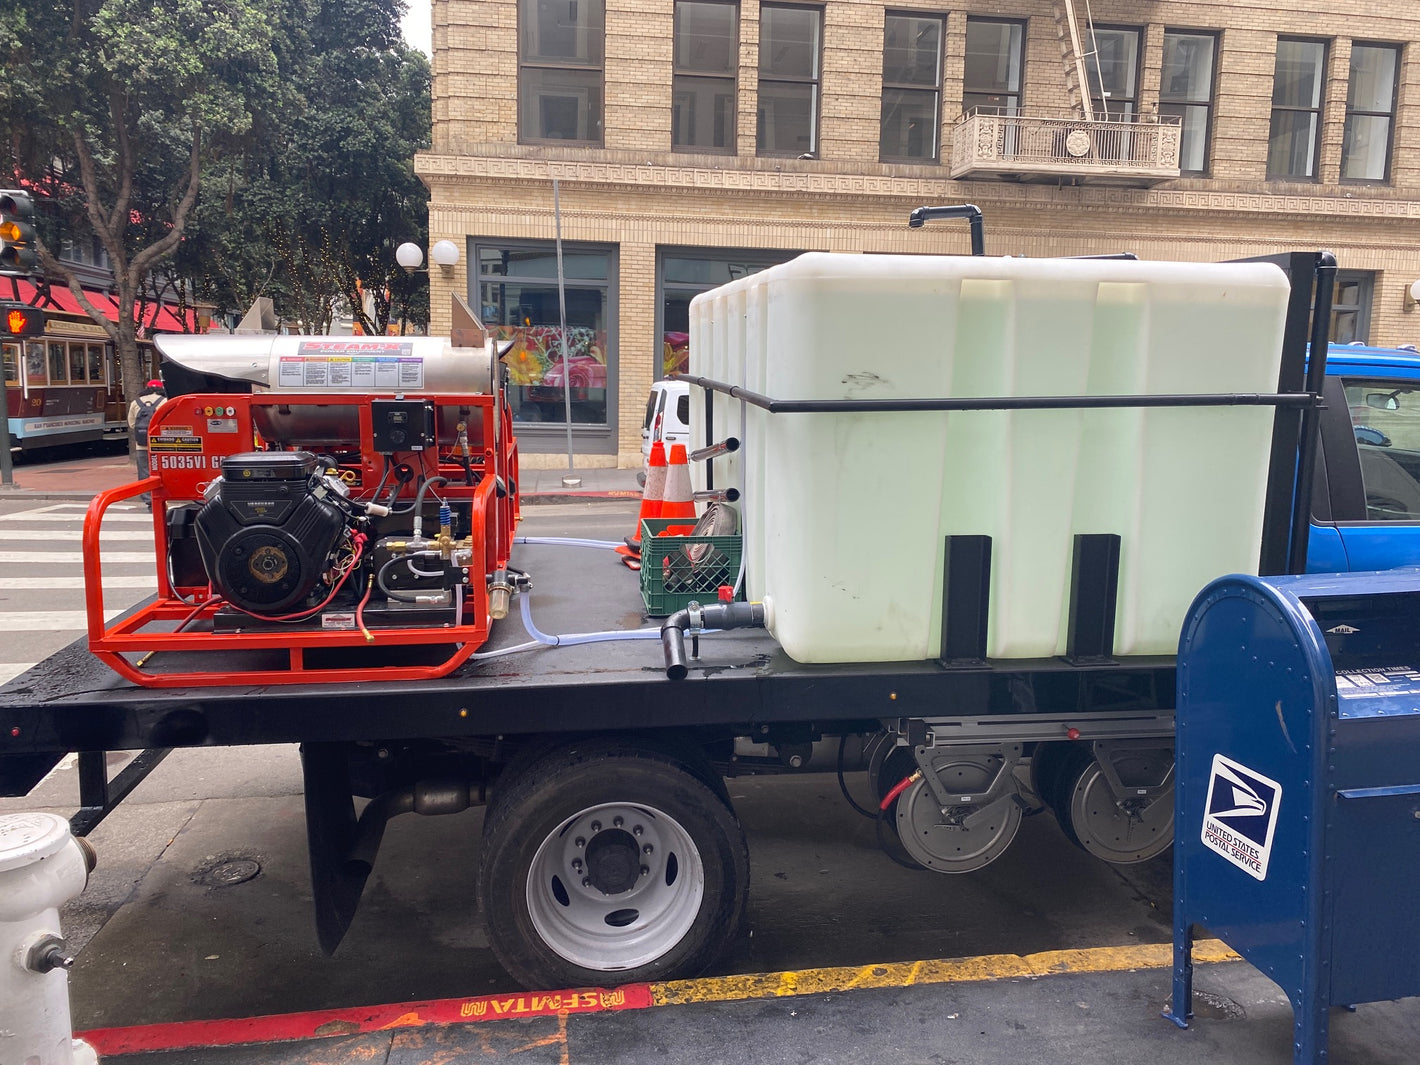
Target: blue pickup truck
<point>1366,494</point>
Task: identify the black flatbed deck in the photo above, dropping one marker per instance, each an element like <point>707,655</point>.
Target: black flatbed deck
<point>73,702</point>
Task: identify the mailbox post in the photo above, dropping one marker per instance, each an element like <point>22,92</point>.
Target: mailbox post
<point>1298,789</point>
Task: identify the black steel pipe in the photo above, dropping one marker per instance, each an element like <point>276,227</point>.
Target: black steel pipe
<point>972,213</point>
<point>942,403</point>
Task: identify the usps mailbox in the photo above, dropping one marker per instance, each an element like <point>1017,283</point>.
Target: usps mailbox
<point>1298,789</point>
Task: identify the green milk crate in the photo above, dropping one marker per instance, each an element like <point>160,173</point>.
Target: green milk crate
<point>676,570</point>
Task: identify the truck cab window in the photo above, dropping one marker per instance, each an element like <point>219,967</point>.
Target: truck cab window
<point>1385,416</point>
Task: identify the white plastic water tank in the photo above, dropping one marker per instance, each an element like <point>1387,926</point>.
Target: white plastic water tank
<point>844,514</point>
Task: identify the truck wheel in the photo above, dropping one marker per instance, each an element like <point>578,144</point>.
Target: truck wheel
<point>1121,831</point>
<point>610,859</point>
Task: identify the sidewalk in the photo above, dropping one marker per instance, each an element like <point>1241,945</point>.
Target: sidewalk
<point>83,477</point>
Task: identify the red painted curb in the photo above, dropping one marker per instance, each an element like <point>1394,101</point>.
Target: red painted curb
<point>318,1024</point>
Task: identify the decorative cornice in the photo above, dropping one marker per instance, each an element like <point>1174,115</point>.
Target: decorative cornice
<point>731,180</point>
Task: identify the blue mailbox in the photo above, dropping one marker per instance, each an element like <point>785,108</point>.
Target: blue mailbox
<point>1298,790</point>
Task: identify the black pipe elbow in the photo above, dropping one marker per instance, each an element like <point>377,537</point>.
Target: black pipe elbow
<point>711,616</point>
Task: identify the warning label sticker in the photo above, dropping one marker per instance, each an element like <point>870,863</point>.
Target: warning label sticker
<point>397,373</point>
<point>1241,815</point>
<point>363,364</point>
<point>173,442</point>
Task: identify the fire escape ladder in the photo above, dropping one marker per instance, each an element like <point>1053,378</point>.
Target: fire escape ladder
<point>1072,51</point>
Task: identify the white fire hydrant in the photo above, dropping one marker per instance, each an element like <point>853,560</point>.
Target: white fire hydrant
<point>41,867</point>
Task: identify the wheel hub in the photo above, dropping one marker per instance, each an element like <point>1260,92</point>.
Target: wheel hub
<point>613,861</point>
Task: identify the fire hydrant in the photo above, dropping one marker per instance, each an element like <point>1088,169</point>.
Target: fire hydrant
<point>41,866</point>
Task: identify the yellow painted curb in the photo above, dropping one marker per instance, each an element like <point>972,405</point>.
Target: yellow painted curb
<point>941,971</point>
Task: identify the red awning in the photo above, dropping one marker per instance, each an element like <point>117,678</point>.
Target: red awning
<point>163,318</point>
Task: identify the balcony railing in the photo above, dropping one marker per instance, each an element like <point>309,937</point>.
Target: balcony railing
<point>1131,151</point>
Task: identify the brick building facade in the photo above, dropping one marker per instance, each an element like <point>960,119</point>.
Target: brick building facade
<point>694,140</point>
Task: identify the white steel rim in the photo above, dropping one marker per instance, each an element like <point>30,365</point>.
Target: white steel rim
<point>618,929</point>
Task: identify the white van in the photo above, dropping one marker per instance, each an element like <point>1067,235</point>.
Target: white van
<point>667,420</point>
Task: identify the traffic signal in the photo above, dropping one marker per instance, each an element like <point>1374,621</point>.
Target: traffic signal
<point>21,320</point>
<point>17,234</point>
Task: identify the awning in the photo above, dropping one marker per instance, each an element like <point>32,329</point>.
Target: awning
<point>164,317</point>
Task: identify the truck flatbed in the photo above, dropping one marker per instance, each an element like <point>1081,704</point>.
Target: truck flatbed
<point>73,702</point>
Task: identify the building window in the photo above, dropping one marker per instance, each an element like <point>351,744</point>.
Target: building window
<point>561,49</point>
<point>1370,112</point>
<point>687,272</point>
<point>1296,109</point>
<point>912,87</point>
<point>1351,306</point>
<point>790,48</point>
<point>706,59</point>
<point>518,295</point>
<point>1186,91</point>
<point>1112,67</point>
<point>992,80</point>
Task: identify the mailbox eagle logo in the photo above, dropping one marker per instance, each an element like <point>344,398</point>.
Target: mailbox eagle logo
<point>1241,815</point>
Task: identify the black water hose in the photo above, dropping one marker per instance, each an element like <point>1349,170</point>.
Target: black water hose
<point>710,616</point>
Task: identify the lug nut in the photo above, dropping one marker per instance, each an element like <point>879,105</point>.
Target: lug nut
<point>586,881</point>
<point>638,831</point>
<point>617,822</point>
<point>596,826</point>
<point>647,849</point>
<point>645,869</point>
<point>576,865</point>
<point>579,842</point>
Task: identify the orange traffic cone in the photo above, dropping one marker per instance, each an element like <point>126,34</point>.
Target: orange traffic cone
<point>650,505</point>
<point>676,503</point>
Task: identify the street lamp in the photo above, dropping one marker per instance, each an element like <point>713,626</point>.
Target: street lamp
<point>409,256</point>
<point>446,254</point>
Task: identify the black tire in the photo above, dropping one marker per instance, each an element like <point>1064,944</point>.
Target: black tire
<point>671,918</point>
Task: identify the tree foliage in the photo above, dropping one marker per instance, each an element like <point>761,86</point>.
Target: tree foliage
<point>226,148</point>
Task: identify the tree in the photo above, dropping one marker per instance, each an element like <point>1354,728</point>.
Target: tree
<point>351,159</point>
<point>115,111</point>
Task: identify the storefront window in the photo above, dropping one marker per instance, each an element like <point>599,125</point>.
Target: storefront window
<point>518,294</point>
<point>687,272</point>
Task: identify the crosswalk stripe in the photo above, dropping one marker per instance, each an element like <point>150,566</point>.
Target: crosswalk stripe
<point>60,558</point>
<point>72,535</point>
<point>20,584</point>
<point>48,620</point>
<point>37,515</point>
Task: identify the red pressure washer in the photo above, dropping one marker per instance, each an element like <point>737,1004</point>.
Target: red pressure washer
<point>350,518</point>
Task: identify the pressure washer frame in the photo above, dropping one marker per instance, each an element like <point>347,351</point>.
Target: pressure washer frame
<point>189,438</point>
